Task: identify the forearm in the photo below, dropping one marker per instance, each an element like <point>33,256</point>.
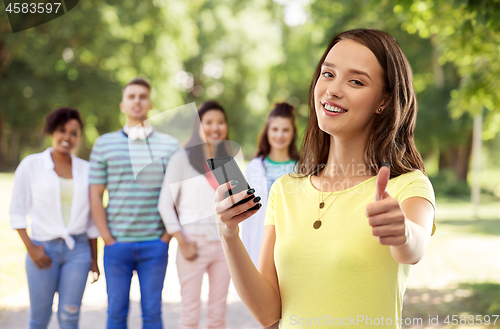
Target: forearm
<point>93,249</point>
<point>100,217</point>
<point>28,243</point>
<point>179,236</point>
<point>413,250</point>
<point>258,295</point>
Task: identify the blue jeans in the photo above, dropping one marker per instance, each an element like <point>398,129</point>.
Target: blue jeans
<point>68,276</point>
<point>149,259</point>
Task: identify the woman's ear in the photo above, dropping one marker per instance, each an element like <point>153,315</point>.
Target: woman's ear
<point>386,100</point>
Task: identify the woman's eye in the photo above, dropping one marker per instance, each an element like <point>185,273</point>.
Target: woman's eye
<point>327,74</point>
<point>357,82</point>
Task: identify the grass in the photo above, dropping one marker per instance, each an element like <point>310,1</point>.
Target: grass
<point>459,274</point>
<point>467,301</point>
<point>12,251</point>
<point>12,256</point>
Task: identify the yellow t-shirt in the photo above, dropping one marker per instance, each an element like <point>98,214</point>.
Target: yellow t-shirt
<point>338,275</point>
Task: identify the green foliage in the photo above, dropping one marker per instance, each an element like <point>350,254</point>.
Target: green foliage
<point>82,60</point>
<point>467,33</point>
<point>467,299</point>
<point>247,55</point>
<point>445,184</point>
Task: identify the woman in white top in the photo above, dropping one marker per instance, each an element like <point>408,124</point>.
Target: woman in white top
<point>190,184</point>
<point>276,156</point>
<point>52,188</point>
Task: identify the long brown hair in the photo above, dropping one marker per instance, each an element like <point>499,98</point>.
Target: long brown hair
<point>282,110</point>
<point>391,139</point>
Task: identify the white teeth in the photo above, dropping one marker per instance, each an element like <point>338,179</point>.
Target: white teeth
<point>333,108</point>
<point>64,143</point>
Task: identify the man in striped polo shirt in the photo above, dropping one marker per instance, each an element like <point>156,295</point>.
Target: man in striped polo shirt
<point>133,232</point>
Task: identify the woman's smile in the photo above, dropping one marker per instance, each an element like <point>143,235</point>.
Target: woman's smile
<point>332,109</point>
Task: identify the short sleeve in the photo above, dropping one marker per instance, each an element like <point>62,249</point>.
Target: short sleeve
<point>416,184</point>
<point>98,166</point>
<point>271,204</point>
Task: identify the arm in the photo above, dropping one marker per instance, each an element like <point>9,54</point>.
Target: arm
<point>99,213</point>
<point>405,227</point>
<point>19,205</point>
<point>258,291</point>
<point>94,268</point>
<point>170,219</point>
<point>418,218</point>
<point>36,253</point>
<point>188,248</point>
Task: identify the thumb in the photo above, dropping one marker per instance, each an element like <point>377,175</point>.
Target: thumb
<point>382,181</point>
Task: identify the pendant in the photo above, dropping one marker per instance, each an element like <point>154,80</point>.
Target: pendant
<point>321,205</point>
<point>317,224</point>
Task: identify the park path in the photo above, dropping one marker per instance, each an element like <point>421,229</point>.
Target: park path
<point>14,308</point>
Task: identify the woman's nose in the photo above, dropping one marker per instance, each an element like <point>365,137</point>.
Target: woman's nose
<point>334,89</point>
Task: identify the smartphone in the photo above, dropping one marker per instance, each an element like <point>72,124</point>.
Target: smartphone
<point>226,170</point>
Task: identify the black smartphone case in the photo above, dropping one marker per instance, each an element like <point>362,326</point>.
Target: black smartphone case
<point>225,170</point>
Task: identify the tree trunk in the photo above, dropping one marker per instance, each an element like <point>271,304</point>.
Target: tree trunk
<point>2,147</point>
<point>457,158</point>
<point>15,148</point>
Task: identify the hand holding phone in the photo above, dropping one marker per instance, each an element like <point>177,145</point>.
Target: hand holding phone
<point>228,214</point>
<point>226,170</point>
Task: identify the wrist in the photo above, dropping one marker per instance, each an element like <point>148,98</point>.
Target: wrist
<point>30,246</point>
<point>108,239</point>
<point>229,234</point>
<point>182,243</point>
<point>181,239</point>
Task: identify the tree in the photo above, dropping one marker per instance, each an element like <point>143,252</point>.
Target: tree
<point>81,60</point>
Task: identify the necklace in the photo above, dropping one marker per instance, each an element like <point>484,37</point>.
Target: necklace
<point>322,203</point>
<point>317,223</point>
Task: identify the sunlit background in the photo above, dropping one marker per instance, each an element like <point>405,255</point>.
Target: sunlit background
<point>248,55</point>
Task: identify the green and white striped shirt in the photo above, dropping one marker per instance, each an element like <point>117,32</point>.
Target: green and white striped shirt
<point>132,209</point>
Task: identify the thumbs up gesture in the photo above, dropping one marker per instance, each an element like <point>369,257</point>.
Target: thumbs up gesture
<point>385,215</point>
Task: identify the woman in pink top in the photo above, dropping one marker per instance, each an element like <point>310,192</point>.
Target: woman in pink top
<point>191,186</point>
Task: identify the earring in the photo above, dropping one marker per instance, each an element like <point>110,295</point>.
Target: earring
<point>380,109</point>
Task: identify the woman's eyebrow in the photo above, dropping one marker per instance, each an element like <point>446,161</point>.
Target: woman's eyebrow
<point>349,70</point>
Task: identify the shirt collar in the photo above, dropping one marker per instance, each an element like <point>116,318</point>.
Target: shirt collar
<point>138,132</point>
<point>49,164</point>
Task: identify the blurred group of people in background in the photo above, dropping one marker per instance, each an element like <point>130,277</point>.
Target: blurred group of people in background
<point>301,255</point>
<point>63,196</point>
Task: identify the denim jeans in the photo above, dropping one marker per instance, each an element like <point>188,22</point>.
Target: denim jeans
<point>149,259</point>
<point>68,276</point>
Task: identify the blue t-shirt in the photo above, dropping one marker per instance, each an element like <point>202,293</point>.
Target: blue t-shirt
<point>275,170</point>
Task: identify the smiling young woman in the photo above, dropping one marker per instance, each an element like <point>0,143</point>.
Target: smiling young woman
<point>193,223</point>
<point>340,236</point>
<point>52,188</point>
<point>276,156</point>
